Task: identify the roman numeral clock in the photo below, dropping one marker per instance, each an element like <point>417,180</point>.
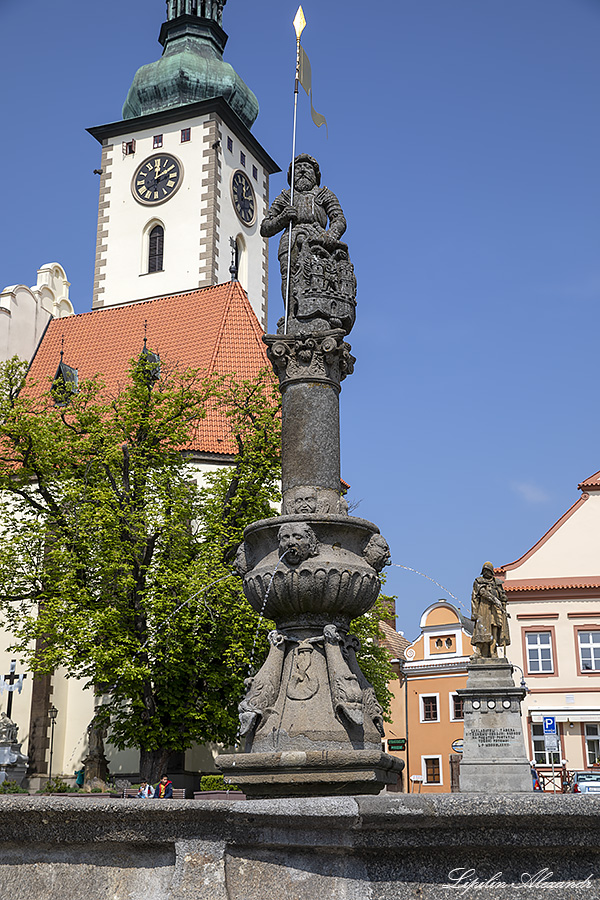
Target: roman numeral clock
<point>157,179</point>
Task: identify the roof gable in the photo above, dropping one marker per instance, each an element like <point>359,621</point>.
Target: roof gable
<point>211,328</point>
<point>568,550</point>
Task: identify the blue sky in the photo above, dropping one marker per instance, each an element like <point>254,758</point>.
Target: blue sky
<point>464,143</point>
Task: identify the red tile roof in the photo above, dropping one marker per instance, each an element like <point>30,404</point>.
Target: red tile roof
<point>591,484</point>
<point>553,584</point>
<point>211,328</point>
<point>395,642</point>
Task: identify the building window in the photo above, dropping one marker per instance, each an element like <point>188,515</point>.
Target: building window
<point>157,141</point>
<point>429,708</point>
<point>589,650</point>
<point>243,158</point>
<point>128,148</point>
<point>592,744</point>
<point>458,707</point>
<point>230,145</point>
<point>541,757</point>
<point>254,172</point>
<point>186,135</point>
<point>432,770</point>
<point>155,249</point>
<point>539,652</point>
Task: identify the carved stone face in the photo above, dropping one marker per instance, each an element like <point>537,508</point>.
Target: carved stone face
<point>377,552</point>
<point>305,500</point>
<point>304,176</point>
<point>298,541</point>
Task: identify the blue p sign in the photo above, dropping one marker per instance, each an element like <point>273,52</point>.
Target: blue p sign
<point>549,725</point>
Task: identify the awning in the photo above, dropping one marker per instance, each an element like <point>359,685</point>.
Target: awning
<point>566,713</point>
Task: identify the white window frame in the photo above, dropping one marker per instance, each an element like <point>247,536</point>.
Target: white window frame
<point>592,644</point>
<point>441,654</point>
<point>422,708</point>
<point>591,733</point>
<point>451,697</point>
<point>145,258</point>
<point>547,761</point>
<point>537,646</point>
<point>424,767</point>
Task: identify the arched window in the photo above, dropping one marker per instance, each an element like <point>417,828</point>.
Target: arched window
<point>155,249</point>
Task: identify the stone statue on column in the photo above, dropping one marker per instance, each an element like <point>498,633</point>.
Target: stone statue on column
<point>488,611</point>
<point>322,292</point>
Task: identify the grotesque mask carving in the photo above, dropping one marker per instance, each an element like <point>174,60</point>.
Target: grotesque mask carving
<point>297,541</point>
<point>377,552</point>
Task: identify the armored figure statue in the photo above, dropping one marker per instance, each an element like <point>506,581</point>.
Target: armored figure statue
<point>322,282</point>
<point>488,611</point>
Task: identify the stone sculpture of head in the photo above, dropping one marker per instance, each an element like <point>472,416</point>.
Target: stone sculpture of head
<point>306,169</point>
<point>298,542</point>
<point>377,552</point>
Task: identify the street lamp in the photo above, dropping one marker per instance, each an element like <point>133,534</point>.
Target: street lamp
<point>52,712</point>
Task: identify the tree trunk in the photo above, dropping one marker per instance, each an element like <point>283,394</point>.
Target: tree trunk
<point>153,764</point>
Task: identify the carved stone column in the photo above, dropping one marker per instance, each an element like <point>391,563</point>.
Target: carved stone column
<point>311,720</point>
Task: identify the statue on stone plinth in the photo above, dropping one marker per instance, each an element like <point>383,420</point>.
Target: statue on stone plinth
<point>322,282</point>
<point>488,611</point>
<point>95,763</point>
<point>8,730</point>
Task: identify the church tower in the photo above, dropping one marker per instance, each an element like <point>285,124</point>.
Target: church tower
<point>183,184</point>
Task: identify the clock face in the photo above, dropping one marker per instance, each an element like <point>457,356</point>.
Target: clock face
<point>157,179</point>
<point>242,195</point>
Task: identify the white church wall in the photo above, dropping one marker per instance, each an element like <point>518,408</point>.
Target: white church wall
<point>124,257</point>
<point>26,311</point>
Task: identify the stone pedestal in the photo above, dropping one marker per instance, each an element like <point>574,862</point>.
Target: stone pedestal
<point>310,718</point>
<point>494,758</point>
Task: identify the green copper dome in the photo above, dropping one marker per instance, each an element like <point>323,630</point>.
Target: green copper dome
<point>191,67</point>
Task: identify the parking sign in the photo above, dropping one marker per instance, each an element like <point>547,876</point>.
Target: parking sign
<point>549,725</point>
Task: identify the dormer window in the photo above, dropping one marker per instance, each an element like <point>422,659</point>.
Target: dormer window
<point>65,383</point>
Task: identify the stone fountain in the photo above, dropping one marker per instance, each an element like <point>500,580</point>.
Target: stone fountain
<point>311,721</point>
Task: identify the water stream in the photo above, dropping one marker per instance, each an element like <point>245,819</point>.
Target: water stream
<point>429,578</point>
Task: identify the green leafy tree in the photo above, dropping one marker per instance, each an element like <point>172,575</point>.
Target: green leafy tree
<point>113,563</point>
<point>116,566</point>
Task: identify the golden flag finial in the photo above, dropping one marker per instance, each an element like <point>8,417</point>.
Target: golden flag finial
<point>299,22</point>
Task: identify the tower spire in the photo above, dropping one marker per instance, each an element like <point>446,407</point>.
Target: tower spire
<point>203,9</point>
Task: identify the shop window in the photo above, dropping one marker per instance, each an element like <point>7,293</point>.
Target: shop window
<point>540,755</point>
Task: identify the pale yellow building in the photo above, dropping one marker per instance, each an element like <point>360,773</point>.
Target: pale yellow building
<point>553,595</point>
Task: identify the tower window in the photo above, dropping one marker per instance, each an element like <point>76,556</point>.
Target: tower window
<point>186,135</point>
<point>230,145</point>
<point>155,249</point>
<point>242,158</point>
<point>254,172</point>
<point>128,148</point>
<point>157,141</point>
